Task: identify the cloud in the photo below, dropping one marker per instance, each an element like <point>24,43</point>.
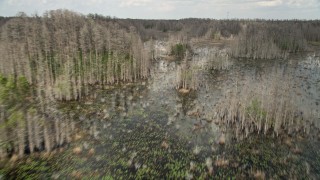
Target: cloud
<point>269,3</point>
<point>289,3</point>
<point>165,7</point>
<point>92,2</point>
<point>172,9</point>
<point>153,5</point>
<point>303,3</point>
<point>126,3</point>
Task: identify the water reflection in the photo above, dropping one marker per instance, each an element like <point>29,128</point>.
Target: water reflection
<point>195,117</point>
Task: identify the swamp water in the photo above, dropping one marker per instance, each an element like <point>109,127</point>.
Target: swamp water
<point>148,130</point>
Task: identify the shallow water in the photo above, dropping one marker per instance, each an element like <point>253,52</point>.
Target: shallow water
<point>150,130</point>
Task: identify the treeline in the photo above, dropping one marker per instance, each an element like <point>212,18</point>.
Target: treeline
<point>273,39</point>
<point>199,28</point>
<point>62,53</point>
<point>190,28</point>
<point>257,39</point>
<point>3,20</point>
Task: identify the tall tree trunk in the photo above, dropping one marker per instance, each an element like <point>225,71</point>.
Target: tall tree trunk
<point>21,136</point>
<point>47,140</point>
<point>30,131</point>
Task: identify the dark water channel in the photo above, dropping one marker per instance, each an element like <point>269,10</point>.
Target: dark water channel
<point>148,130</point>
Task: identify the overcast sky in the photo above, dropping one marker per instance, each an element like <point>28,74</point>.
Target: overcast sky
<point>172,9</point>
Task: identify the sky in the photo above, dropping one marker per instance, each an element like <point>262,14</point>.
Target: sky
<point>172,9</point>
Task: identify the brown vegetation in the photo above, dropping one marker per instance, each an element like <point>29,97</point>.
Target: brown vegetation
<point>259,175</point>
<point>263,105</point>
<point>77,150</point>
<point>221,162</point>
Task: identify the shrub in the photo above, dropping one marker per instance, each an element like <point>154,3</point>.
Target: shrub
<point>178,50</point>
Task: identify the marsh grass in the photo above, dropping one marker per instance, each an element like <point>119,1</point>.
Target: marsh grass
<point>265,104</point>
<point>219,60</point>
<point>187,78</point>
<point>187,75</point>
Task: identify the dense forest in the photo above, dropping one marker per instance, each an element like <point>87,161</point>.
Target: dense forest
<point>58,56</point>
<point>62,54</point>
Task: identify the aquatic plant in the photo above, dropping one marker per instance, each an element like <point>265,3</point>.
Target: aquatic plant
<point>214,59</point>
<point>196,150</point>
<point>209,165</point>
<point>259,175</point>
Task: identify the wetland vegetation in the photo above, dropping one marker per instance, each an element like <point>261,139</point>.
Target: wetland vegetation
<point>94,97</point>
